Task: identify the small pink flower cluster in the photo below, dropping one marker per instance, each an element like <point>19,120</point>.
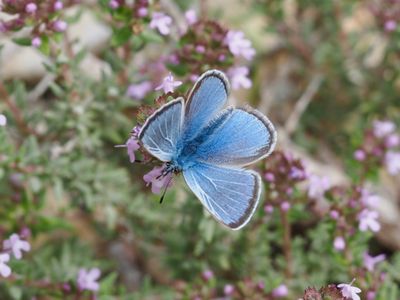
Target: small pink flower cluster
<point>14,245</point>
<point>43,16</point>
<point>381,146</point>
<point>387,14</point>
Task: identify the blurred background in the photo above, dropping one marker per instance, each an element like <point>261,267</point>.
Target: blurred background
<point>78,78</point>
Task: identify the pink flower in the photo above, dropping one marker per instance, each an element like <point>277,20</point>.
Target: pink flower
<point>31,8</point>
<point>285,206</point>
<point>168,84</point>
<point>360,155</point>
<point>3,120</point>
<point>207,275</point>
<point>229,289</point>
<point>390,25</point>
<point>371,295</point>
<point>350,291</point>
<point>238,45</point>
<point>131,145</point>
<point>200,49</point>
<point>142,12</point>
<point>58,5</point>
<point>392,162</point>
<point>139,91</point>
<point>113,4</point>
<point>161,22</point>
<point>191,17</point>
<point>157,181</point>
<point>339,243</point>
<point>369,200</point>
<point>383,128</point>
<point>60,26</point>
<point>392,140</point>
<point>318,186</point>
<point>280,291</point>
<point>87,279</point>
<point>36,42</point>
<point>268,209</point>
<point>368,220</point>
<point>371,261</point>
<point>238,76</point>
<point>334,214</point>
<point>16,245</point>
<point>5,270</point>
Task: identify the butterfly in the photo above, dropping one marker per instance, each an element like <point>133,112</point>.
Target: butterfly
<point>210,146</point>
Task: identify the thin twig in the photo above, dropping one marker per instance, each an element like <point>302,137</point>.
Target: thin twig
<point>41,87</point>
<point>302,103</point>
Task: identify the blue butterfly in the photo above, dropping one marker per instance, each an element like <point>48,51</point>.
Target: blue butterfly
<point>210,145</point>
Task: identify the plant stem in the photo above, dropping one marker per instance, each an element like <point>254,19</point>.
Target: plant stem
<point>287,243</point>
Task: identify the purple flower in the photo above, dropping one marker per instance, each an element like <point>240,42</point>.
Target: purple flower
<point>5,270</point>
<point>238,45</point>
<point>371,261</point>
<point>339,243</point>
<point>270,177</point>
<point>296,173</point>
<point>191,17</point>
<point>334,214</point>
<point>157,181</point>
<point>139,91</point>
<point>161,22</point>
<point>131,145</point>
<point>280,291</point>
<point>31,8</point>
<point>390,25</point>
<point>200,49</point>
<point>392,140</point>
<point>368,199</point>
<point>113,4</point>
<point>371,295</point>
<point>142,12</point>
<point>60,26</point>
<point>168,84</point>
<point>318,186</point>
<point>3,120</point>
<point>383,128</point>
<point>285,206</point>
<point>368,220</point>
<point>268,209</point>
<point>16,245</point>
<point>350,291</point>
<point>207,275</point>
<point>229,289</point>
<point>87,279</point>
<point>392,162</point>
<point>58,5</point>
<point>238,76</point>
<point>36,42</point>
<point>360,155</point>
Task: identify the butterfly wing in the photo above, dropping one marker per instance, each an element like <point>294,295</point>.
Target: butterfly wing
<point>237,137</point>
<point>162,130</point>
<point>230,195</point>
<point>205,100</point>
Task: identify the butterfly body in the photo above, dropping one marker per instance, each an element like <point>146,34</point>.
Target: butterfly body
<point>210,145</point>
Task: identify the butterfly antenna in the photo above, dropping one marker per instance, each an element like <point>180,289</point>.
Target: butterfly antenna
<point>165,190</point>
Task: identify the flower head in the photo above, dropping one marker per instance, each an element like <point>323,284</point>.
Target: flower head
<point>168,84</point>
<point>229,289</point>
<point>31,8</point>
<point>383,128</point>
<point>191,17</point>
<point>359,155</point>
<point>5,270</point>
<point>390,25</point>
<point>58,5</point>
<point>87,279</point>
<point>339,243</point>
<point>131,145</point>
<point>161,22</point>
<point>238,76</point>
<point>392,162</point>
<point>239,45</point>
<point>60,26</point>
<point>207,275</point>
<point>139,91</point>
<point>16,245</point>
<point>371,261</point>
<point>318,186</point>
<point>157,180</point>
<point>113,4</point>
<point>280,291</point>
<point>350,291</point>
<point>368,220</point>
<point>3,120</point>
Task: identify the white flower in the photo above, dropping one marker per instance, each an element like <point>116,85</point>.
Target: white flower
<point>318,186</point>
<point>162,22</point>
<point>392,162</point>
<point>3,120</point>
<point>5,270</point>
<point>350,291</point>
<point>383,128</point>
<point>168,84</point>
<point>368,220</point>
<point>238,45</point>
<point>238,76</point>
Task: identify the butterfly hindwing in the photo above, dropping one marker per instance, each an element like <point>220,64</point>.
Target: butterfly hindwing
<point>231,195</point>
<point>161,131</point>
<point>206,99</point>
<point>241,136</point>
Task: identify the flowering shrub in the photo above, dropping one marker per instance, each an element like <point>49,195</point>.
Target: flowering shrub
<point>80,214</point>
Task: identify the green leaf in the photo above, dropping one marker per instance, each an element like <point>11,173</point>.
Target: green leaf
<point>23,41</point>
<point>121,36</point>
